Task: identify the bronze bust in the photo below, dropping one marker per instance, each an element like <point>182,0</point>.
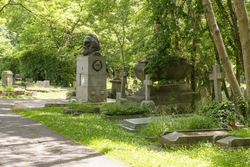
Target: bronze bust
<point>91,45</point>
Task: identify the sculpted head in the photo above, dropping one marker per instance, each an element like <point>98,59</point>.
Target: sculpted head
<point>91,44</point>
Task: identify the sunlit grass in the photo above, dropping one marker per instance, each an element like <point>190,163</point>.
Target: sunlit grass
<point>104,136</point>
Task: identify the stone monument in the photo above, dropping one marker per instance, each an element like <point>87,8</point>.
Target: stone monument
<point>173,97</point>
<point>7,78</point>
<point>217,76</point>
<point>91,72</point>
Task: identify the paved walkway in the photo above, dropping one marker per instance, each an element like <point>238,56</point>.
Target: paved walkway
<point>26,143</point>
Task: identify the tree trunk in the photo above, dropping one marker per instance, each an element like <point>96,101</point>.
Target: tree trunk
<point>214,29</point>
<point>243,23</point>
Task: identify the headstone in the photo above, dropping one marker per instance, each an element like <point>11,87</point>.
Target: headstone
<point>118,98</point>
<point>217,76</point>
<point>7,78</point>
<point>91,72</point>
<point>91,79</point>
<point>28,82</point>
<point>135,123</point>
<point>116,82</point>
<point>39,83</point>
<point>46,84</point>
<point>147,82</point>
<point>234,142</point>
<point>173,96</point>
<point>189,137</point>
<point>148,104</point>
<point>124,75</point>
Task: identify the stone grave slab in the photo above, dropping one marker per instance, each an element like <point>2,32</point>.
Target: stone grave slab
<point>233,142</point>
<point>135,123</point>
<point>187,138</point>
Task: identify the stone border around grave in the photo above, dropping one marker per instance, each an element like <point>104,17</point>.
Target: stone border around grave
<point>121,117</point>
<point>80,112</point>
<point>190,137</point>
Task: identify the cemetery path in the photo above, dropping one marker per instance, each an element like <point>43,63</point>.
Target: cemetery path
<point>24,142</point>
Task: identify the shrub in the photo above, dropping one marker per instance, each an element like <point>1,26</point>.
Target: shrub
<point>122,109</point>
<point>219,112</point>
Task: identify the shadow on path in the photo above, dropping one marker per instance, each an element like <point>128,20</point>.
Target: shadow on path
<point>24,142</point>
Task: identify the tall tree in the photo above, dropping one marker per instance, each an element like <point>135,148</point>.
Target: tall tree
<point>244,28</point>
<point>215,32</point>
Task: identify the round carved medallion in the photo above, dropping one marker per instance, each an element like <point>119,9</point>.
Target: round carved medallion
<point>97,65</point>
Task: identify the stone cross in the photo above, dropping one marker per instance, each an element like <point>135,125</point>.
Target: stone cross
<point>217,76</point>
<point>147,82</point>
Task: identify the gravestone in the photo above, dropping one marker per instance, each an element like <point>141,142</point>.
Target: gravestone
<point>124,75</point>
<point>173,96</point>
<point>39,83</point>
<point>28,82</point>
<point>148,104</point>
<point>233,142</point>
<point>189,137</point>
<point>91,72</point>
<point>7,78</point>
<point>46,84</point>
<point>217,76</point>
<point>116,82</point>
<point>134,124</point>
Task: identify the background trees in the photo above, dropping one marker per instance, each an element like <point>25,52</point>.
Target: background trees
<point>42,39</point>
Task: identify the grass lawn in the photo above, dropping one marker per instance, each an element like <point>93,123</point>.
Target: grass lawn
<point>104,136</point>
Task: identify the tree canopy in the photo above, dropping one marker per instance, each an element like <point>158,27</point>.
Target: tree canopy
<point>41,39</point>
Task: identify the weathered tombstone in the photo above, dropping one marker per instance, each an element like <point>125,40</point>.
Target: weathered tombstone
<point>46,84</point>
<point>29,82</point>
<point>91,72</point>
<point>116,82</point>
<point>39,83</point>
<point>189,137</point>
<point>217,76</point>
<point>7,78</point>
<point>134,124</point>
<point>234,142</point>
<point>172,96</point>
<point>124,75</point>
<point>118,98</point>
<point>148,104</point>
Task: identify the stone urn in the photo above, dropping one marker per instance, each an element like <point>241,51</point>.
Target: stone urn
<point>174,70</point>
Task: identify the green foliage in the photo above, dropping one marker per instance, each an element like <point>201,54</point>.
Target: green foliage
<point>168,123</point>
<point>122,109</point>
<point>7,89</point>
<point>241,132</point>
<point>43,65</point>
<point>219,112</point>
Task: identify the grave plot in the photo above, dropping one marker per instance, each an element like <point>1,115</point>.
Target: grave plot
<point>233,142</point>
<point>190,137</point>
<point>134,124</point>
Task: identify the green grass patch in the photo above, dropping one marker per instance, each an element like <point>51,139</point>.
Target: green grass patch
<point>168,123</point>
<point>104,136</point>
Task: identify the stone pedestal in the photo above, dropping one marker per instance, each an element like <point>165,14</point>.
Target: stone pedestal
<point>7,78</point>
<point>91,79</point>
<point>116,85</point>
